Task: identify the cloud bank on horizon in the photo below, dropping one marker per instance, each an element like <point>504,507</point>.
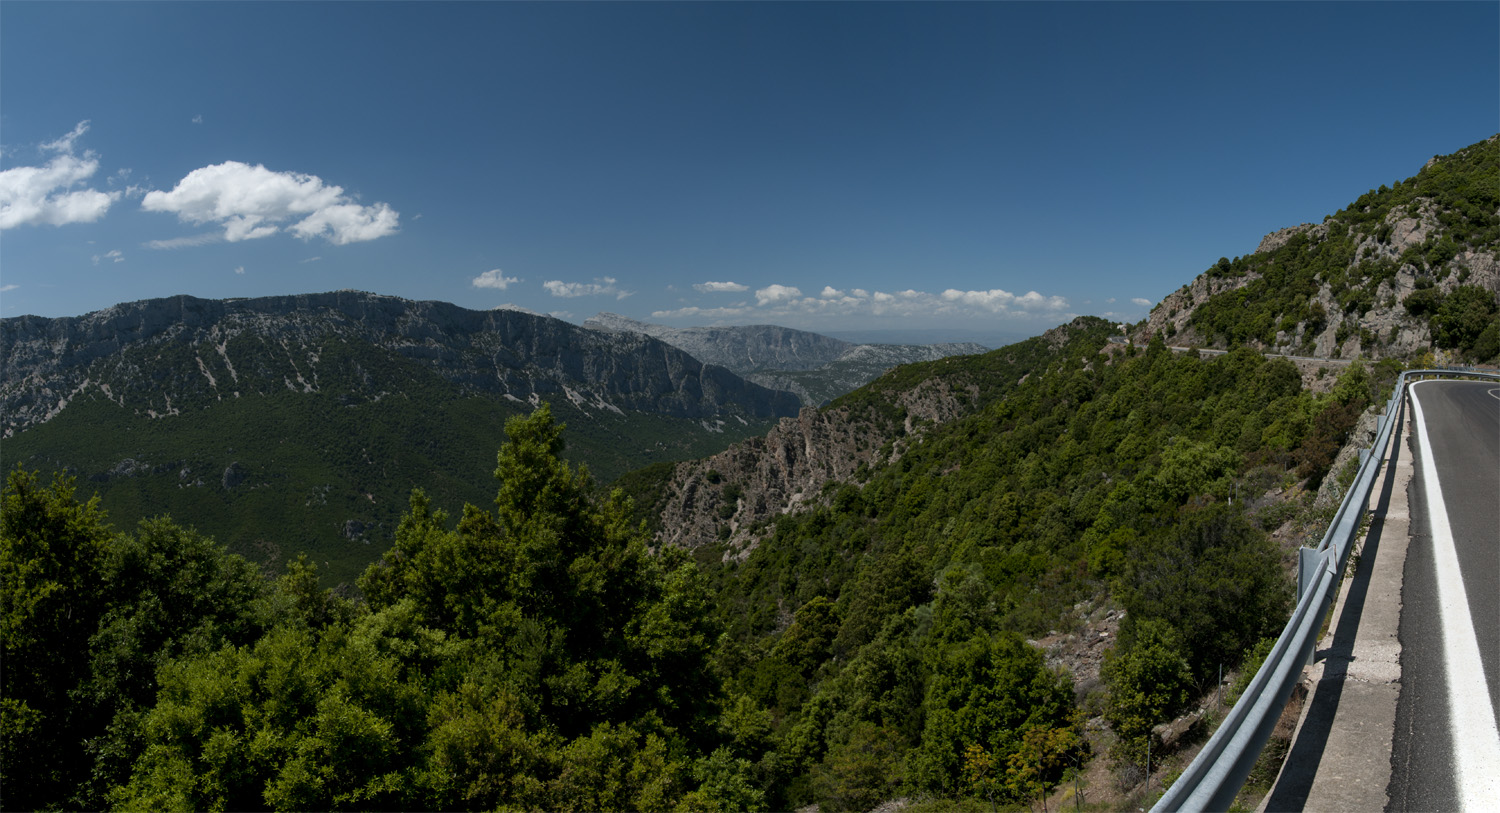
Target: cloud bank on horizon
<point>789,303</point>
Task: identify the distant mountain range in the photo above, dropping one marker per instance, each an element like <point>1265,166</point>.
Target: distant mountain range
<point>301,422</point>
<point>192,345</point>
<point>817,368</point>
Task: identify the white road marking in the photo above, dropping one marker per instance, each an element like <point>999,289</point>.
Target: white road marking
<point>1476,741</point>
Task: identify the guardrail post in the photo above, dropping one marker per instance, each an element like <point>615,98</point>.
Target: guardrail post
<point>1308,562</point>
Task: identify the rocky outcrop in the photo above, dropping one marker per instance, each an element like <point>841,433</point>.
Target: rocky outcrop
<point>1386,329</point>
<point>155,356</point>
<point>234,475</point>
<point>1170,318</point>
<point>730,497</point>
<point>1281,237</point>
<point>727,496</point>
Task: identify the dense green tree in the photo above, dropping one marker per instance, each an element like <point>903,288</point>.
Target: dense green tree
<point>301,720</point>
<point>170,593</point>
<point>860,773</point>
<point>725,785</point>
<point>1463,316</point>
<point>989,690</point>
<point>534,657</point>
<point>561,586</point>
<point>1148,679</point>
<point>1215,578</point>
<point>52,549</point>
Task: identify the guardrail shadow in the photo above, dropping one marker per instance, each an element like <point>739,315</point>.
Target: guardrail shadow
<point>1301,765</point>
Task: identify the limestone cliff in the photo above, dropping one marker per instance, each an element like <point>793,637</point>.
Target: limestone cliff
<point>156,356</point>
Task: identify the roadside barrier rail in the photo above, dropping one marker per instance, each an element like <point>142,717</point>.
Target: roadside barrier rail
<point>1219,771</point>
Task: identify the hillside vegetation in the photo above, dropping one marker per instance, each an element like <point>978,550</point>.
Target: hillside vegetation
<point>534,655</point>
<point>1405,269</point>
<point>867,625</point>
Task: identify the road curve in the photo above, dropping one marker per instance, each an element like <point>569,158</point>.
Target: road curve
<point>1446,748</point>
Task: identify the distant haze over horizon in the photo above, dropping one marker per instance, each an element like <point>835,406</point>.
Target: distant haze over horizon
<point>865,169</point>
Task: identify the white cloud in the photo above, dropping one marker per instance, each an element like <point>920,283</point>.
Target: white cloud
<point>185,242</point>
<point>830,292</point>
<point>239,269</point>
<point>1001,301</point>
<point>601,286</point>
<point>774,294</point>
<point>494,278</point>
<point>65,144</point>
<point>4,288</point>
<point>348,223</point>
<point>252,202</point>
<point>114,254</point>
<point>45,195</point>
<point>198,119</point>
<point>1141,301</point>
<point>720,287</point>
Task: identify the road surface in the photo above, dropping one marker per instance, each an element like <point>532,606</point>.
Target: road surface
<point>1446,754</point>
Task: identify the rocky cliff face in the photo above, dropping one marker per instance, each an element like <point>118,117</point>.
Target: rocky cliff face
<point>155,356</point>
<point>1396,333</point>
<point>731,496</point>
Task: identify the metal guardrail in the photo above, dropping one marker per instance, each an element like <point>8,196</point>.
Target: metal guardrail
<point>1219,771</point>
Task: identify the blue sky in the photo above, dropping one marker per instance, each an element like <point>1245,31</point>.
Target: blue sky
<point>989,167</point>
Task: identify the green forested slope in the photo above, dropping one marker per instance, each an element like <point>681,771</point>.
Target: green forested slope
<point>1096,478</point>
<point>274,473</point>
<point>531,654</point>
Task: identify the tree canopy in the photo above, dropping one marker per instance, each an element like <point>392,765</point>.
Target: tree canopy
<point>538,654</point>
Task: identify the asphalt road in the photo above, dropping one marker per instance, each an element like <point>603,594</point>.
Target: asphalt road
<point>1445,747</point>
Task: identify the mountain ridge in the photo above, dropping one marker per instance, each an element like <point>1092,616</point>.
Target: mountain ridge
<point>47,361</point>
<point>302,423</point>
